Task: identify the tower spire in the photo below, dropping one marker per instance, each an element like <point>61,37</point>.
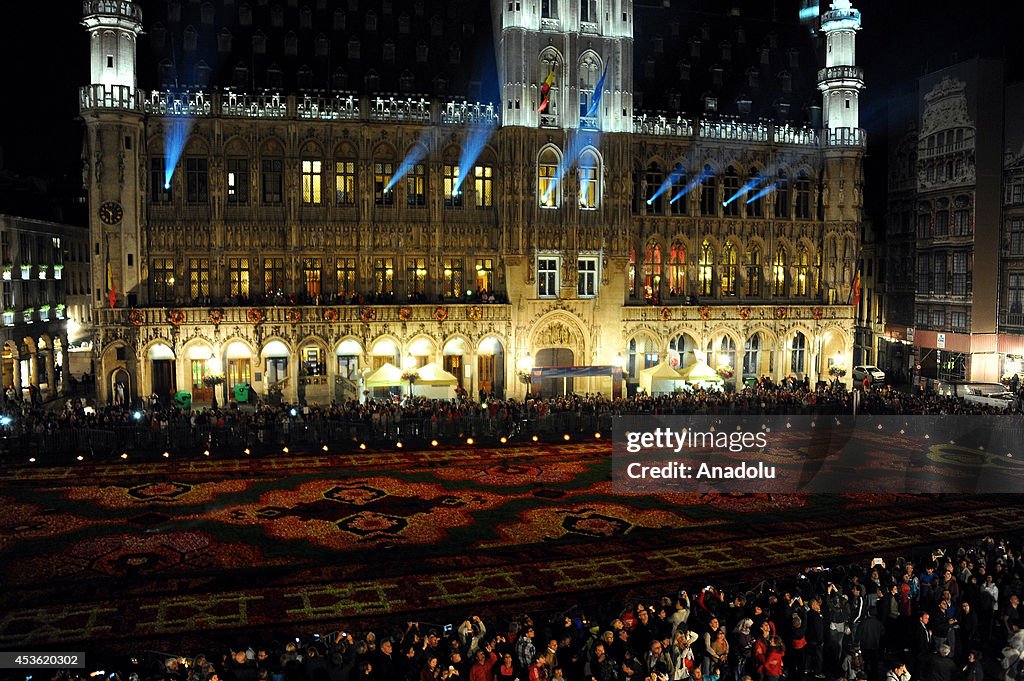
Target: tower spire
<point>841,80</point>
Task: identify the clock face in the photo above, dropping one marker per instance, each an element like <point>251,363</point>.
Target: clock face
<point>111,212</point>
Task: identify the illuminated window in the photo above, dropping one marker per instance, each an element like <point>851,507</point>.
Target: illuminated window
<point>312,269</point>
<point>803,271</point>
<point>199,277</point>
<point>238,181</point>
<point>416,276</point>
<point>547,277</point>
<point>273,175</point>
<point>729,269</point>
<point>345,183</point>
<point>484,182</point>
<point>779,273</point>
<point>159,182</point>
<point>677,269</point>
<point>484,274</point>
<point>346,277</point>
<point>547,168</point>
<point>383,276</point>
<point>197,182</point>
<point>631,274</point>
<point>238,277</point>
<point>273,275</point>
<point>586,286</point>
<point>652,271</point>
<point>799,351</point>
<point>730,186</point>
<point>416,186</point>
<point>452,191</point>
<point>451,281</point>
<point>706,268</point>
<point>782,195</point>
<point>163,280</point>
<point>312,182</point>
<point>654,177</point>
<point>382,174</point>
<point>708,193</point>
<point>588,180</point>
<point>754,279</point>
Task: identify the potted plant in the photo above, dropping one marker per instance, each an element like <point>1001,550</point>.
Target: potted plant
<point>836,371</point>
<point>42,271</point>
<point>8,268</point>
<point>26,271</point>
<point>57,269</point>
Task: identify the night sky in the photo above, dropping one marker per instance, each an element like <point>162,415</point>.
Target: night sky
<point>44,51</point>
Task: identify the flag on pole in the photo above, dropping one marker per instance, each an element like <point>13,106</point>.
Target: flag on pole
<point>545,92</point>
<point>111,286</point>
<point>598,91</point>
<point>855,291</point>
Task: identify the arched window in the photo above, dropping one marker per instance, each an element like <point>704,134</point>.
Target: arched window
<point>383,171</point>
<point>631,274</point>
<point>652,271</point>
<point>799,352</point>
<point>677,270</point>
<point>816,283</point>
<point>779,272</point>
<point>706,268</point>
<point>547,167</point>
<point>729,269</point>
<point>782,195</point>
<point>708,193</point>
<point>754,278</point>
<point>754,201</point>
<point>726,358</point>
<point>803,271</point>
<point>730,185</point>
<point>589,73</point>
<point>803,197</point>
<point>590,174</point>
<point>678,199</point>
<point>654,177</point>
<point>752,356</point>
<point>684,346</point>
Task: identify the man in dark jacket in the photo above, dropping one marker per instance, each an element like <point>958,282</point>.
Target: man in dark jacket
<point>815,635</point>
<point>939,667</point>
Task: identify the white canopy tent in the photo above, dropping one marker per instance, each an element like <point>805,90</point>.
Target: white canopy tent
<point>386,377</point>
<point>659,379</point>
<point>434,383</point>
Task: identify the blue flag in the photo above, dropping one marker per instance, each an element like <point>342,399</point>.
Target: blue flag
<point>597,93</point>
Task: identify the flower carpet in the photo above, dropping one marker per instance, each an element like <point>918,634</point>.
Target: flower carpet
<point>123,554</point>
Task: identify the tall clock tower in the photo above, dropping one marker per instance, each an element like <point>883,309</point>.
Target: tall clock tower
<point>111,107</point>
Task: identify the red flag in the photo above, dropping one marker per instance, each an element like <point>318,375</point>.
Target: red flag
<point>545,92</point>
<point>856,289</point>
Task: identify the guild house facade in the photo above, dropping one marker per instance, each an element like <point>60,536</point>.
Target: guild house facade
<point>538,196</point>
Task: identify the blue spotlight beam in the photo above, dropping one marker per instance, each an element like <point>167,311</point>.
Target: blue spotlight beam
<point>415,155</point>
<point>569,159</point>
<point>669,181</point>
<point>691,186</point>
<point>751,184</point>
<point>177,137</point>
<point>767,190</point>
<point>476,140</point>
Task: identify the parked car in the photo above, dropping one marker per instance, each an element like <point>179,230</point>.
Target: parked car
<point>874,373</point>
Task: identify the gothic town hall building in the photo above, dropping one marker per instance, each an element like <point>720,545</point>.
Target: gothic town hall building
<point>290,193</point>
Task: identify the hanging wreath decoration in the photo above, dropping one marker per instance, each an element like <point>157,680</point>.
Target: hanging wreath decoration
<point>255,315</point>
<point>293,316</point>
<point>216,316</point>
<point>705,313</point>
<point>665,314</point>
<point>474,313</point>
<point>441,313</point>
<point>405,313</point>
<point>744,313</point>
<point>330,315</point>
<point>176,317</point>
<point>367,313</point>
<point>781,313</point>
<point>135,317</point>
<point>818,312</point>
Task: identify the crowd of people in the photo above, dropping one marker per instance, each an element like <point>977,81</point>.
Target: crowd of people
<point>951,614</point>
<point>393,416</point>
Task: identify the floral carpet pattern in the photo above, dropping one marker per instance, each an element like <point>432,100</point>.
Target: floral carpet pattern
<point>123,554</point>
